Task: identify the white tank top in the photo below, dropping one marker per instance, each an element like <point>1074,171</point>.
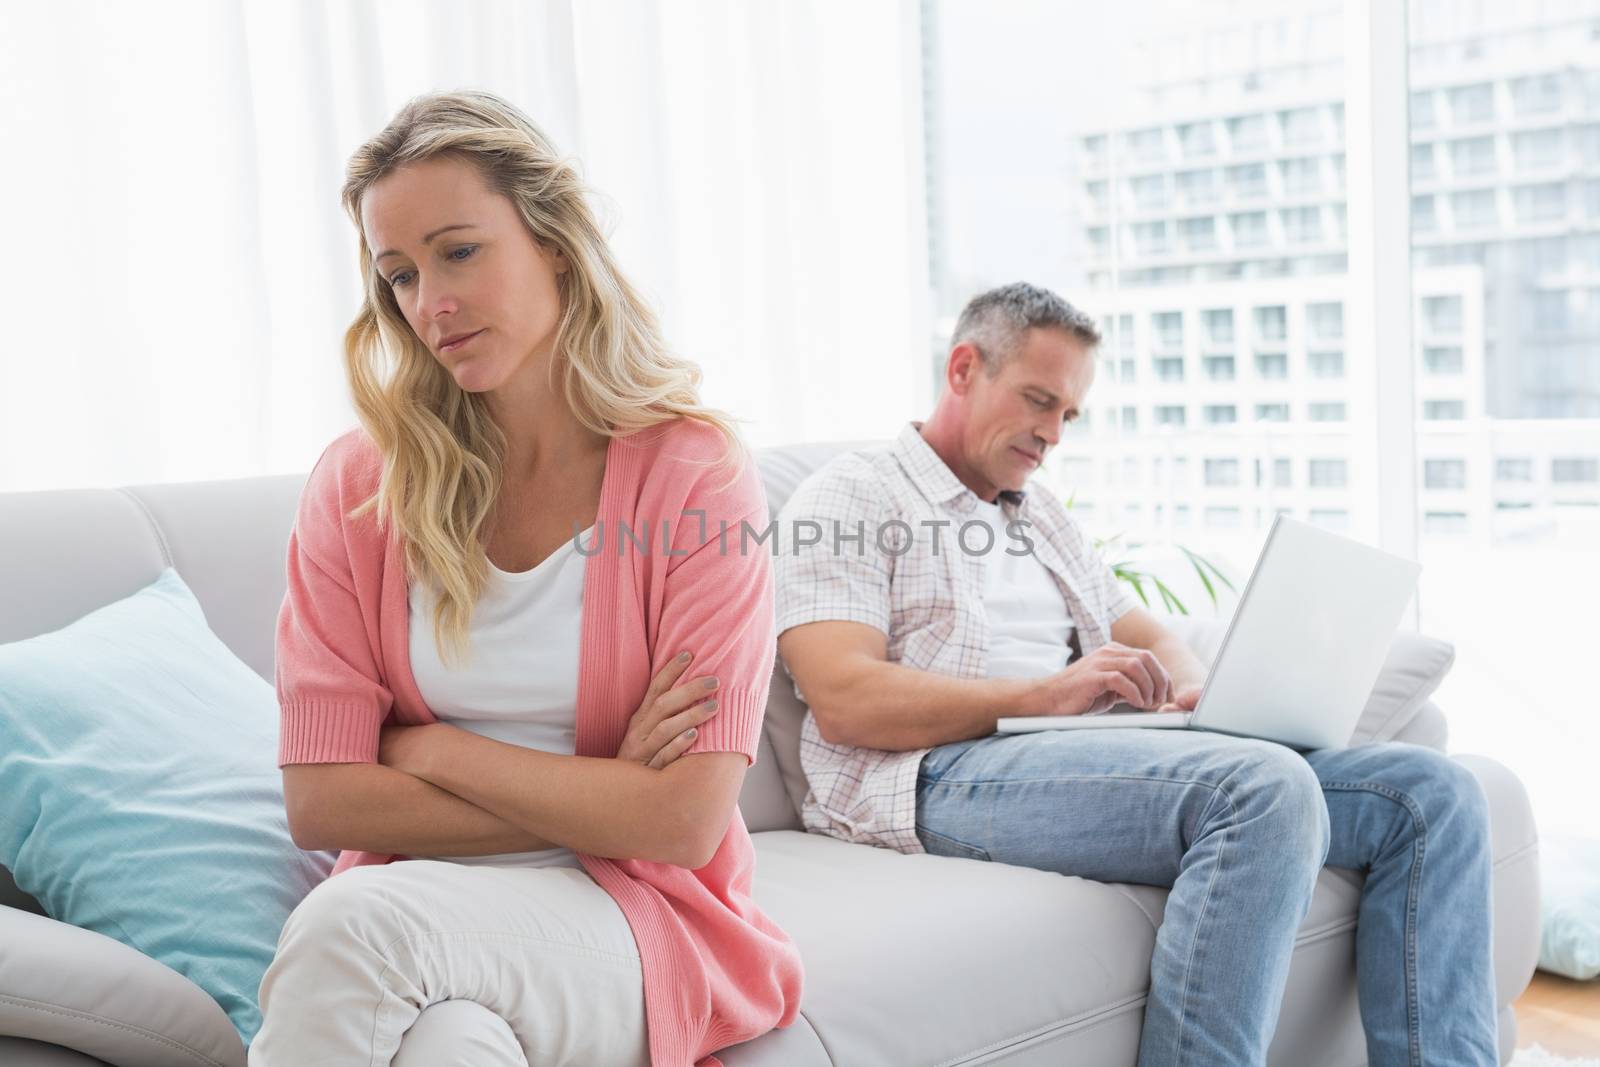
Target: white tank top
<point>521,686</point>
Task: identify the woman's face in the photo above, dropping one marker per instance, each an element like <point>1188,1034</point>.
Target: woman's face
<point>459,260</point>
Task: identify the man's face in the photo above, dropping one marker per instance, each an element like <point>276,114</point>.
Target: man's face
<point>1016,417</point>
<point>489,277</point>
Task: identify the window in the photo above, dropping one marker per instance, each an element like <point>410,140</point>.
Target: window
<point>1100,241</point>
<point>1150,239</point>
<point>1536,95</point>
<point>1249,229</point>
<point>1326,411</point>
<point>1198,235</point>
<point>1094,151</point>
<point>1198,187</point>
<point>1146,146</point>
<point>1472,103</point>
<point>1422,162</point>
<point>1549,311</point>
<point>1328,473</point>
<point>1248,180</point>
<point>1099,194</point>
<point>1573,471</point>
<point>1301,176</point>
<point>1335,519</point>
<point>1281,477</point>
<point>1197,140</point>
<point>1475,208</point>
<point>1168,327</point>
<point>1272,323</point>
<point>1130,418</point>
<point>1171,415</point>
<point>1513,469</point>
<point>1538,203</point>
<point>1302,225</point>
<point>1472,156</point>
<point>1169,369</point>
<point>1301,125</point>
<point>1424,217</point>
<point>1222,472</point>
<point>1222,517</point>
<point>1442,313</point>
<point>1422,116</point>
<point>1219,368</point>
<point>1221,414</point>
<point>1273,366</point>
<point>1219,326</point>
<point>1443,410</point>
<point>1326,321</point>
<point>1442,360</point>
<point>1272,412</point>
<point>1128,370</point>
<point>1126,340</point>
<point>1444,522</point>
<point>1247,133</point>
<point>1537,149</point>
<point>1149,193</point>
<point>1444,474</point>
<point>1326,364</point>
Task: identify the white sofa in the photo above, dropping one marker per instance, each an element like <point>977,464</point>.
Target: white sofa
<point>910,960</point>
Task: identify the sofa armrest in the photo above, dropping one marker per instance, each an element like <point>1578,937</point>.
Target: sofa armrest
<point>1514,843</point>
<point>87,992</point>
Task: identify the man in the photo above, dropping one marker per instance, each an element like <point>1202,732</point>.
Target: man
<point>907,649</point>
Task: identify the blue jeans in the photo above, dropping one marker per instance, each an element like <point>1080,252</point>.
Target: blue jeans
<point>1238,829</point>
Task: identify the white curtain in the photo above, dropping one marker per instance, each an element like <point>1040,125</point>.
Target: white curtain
<point>181,272</point>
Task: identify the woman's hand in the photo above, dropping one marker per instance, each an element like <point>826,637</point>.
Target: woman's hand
<point>663,727</point>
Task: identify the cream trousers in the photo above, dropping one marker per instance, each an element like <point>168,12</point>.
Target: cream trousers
<point>427,962</point>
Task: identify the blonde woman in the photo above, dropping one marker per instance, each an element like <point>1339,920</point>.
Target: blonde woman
<point>515,654</point>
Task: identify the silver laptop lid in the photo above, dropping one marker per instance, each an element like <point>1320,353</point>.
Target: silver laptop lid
<point>1307,639</point>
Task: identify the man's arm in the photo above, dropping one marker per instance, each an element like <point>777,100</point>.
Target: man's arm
<point>1138,628</point>
<point>859,698</point>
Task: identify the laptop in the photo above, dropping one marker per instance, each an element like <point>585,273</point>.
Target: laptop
<point>1301,653</point>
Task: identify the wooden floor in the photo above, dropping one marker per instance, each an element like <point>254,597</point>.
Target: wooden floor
<point>1561,1015</point>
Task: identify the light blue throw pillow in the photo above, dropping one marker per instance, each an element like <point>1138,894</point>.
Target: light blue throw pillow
<point>140,795</point>
<point>1569,906</point>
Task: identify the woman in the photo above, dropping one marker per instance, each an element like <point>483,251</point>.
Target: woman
<point>550,729</point>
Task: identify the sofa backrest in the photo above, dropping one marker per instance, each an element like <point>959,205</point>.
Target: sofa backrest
<point>64,553</point>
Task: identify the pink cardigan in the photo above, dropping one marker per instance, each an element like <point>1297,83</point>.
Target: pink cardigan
<point>717,971</point>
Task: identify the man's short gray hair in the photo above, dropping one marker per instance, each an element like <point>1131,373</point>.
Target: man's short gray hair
<point>996,320</point>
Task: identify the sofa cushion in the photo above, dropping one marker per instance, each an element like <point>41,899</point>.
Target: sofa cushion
<point>143,798</point>
<point>974,960</point>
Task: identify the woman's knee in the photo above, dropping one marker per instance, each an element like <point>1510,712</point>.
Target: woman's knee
<point>459,1033</point>
<point>349,908</point>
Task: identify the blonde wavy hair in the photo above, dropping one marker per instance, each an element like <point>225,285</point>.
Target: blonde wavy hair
<point>443,455</point>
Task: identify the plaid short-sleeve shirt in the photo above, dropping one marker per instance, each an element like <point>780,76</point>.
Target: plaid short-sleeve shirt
<point>895,553</point>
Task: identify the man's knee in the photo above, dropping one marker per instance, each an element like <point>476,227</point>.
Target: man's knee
<point>1283,793</point>
<point>459,1033</point>
<point>1443,789</point>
